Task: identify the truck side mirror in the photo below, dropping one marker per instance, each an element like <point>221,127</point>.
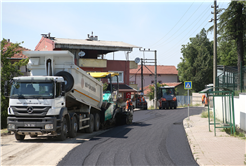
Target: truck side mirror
<point>6,89</point>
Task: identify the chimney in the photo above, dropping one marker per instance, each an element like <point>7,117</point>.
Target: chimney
<point>92,38</point>
<point>8,40</point>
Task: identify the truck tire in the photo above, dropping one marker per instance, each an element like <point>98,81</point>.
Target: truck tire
<point>96,122</point>
<point>175,107</point>
<point>19,137</point>
<point>63,130</point>
<point>74,128</point>
<point>90,129</point>
<point>69,81</point>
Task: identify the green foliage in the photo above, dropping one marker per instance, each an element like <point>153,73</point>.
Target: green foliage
<point>8,71</point>
<point>231,28</point>
<point>242,1</point>
<point>105,85</point>
<point>205,114</point>
<point>152,88</point>
<point>227,53</point>
<point>197,61</point>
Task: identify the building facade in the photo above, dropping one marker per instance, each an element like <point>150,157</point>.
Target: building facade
<point>165,74</point>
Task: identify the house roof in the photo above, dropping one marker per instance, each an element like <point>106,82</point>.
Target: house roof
<point>19,55</point>
<point>93,44</point>
<point>147,89</point>
<point>161,69</point>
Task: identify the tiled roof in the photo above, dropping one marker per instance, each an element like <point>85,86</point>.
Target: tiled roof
<point>147,90</point>
<point>18,55</point>
<point>161,69</point>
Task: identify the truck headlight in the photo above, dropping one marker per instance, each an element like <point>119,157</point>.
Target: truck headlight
<point>10,111</point>
<point>11,126</point>
<point>48,126</point>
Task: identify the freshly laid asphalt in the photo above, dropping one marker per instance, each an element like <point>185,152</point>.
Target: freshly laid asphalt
<point>156,137</point>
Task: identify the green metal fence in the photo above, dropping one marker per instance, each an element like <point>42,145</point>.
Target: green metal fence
<point>228,77</point>
<point>228,118</point>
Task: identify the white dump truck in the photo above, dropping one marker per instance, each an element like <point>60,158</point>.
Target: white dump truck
<point>58,98</point>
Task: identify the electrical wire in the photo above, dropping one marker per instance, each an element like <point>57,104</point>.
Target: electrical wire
<point>173,26</point>
<point>181,26</point>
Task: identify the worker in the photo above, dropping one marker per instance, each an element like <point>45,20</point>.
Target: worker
<point>206,101</point>
<point>203,98</point>
<point>142,98</point>
<point>128,104</point>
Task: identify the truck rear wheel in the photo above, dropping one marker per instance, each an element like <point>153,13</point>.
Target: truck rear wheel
<point>19,137</point>
<point>68,78</point>
<point>90,129</point>
<point>74,128</point>
<point>97,122</point>
<point>63,132</point>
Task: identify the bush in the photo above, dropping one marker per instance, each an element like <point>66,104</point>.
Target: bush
<point>205,114</point>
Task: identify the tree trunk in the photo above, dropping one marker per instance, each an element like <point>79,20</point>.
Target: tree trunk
<point>240,48</point>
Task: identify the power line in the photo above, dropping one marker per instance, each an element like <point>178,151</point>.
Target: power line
<point>173,26</point>
<point>189,32</point>
<point>183,24</point>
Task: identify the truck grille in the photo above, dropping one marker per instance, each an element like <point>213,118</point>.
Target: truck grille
<point>30,111</point>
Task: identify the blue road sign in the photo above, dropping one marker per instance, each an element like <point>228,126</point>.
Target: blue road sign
<point>188,85</point>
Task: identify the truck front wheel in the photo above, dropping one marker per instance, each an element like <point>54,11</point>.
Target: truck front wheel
<point>19,137</point>
<point>63,133</point>
<point>90,129</point>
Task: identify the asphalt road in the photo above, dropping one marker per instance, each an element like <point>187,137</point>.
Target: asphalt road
<point>156,137</point>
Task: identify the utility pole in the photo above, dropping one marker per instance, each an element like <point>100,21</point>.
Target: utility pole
<point>142,75</point>
<point>155,93</point>
<point>155,62</point>
<point>215,42</point>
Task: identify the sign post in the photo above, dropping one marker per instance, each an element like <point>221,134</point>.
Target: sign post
<point>188,86</point>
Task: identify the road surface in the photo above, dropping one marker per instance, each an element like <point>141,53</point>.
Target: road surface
<point>156,137</point>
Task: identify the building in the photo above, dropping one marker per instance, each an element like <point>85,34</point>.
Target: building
<point>17,57</point>
<point>90,56</point>
<point>165,74</point>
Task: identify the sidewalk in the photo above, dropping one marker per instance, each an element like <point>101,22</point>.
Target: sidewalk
<point>208,149</point>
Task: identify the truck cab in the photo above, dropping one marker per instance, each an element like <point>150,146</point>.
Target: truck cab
<point>167,97</point>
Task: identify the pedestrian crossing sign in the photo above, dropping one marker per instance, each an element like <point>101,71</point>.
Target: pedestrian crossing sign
<point>188,85</point>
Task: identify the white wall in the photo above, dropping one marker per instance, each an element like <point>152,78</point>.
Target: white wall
<point>239,110</point>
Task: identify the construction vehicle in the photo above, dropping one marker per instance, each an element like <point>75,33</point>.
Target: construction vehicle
<point>57,99</point>
<point>167,98</point>
<point>141,102</point>
<point>111,112</point>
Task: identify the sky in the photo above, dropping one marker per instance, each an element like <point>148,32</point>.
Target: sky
<point>159,25</point>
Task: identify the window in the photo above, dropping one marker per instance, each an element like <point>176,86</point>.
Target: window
<point>152,82</point>
<point>150,75</point>
<point>121,77</point>
<point>159,82</point>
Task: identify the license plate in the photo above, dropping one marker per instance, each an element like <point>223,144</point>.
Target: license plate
<point>29,125</point>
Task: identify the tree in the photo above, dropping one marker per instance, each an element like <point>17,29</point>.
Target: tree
<point>231,28</point>
<point>227,53</point>
<point>8,71</point>
<point>197,61</point>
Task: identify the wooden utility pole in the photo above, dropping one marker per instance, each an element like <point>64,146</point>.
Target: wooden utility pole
<point>215,45</point>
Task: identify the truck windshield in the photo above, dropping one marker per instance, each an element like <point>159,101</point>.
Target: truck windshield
<point>168,91</point>
<point>32,90</point>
